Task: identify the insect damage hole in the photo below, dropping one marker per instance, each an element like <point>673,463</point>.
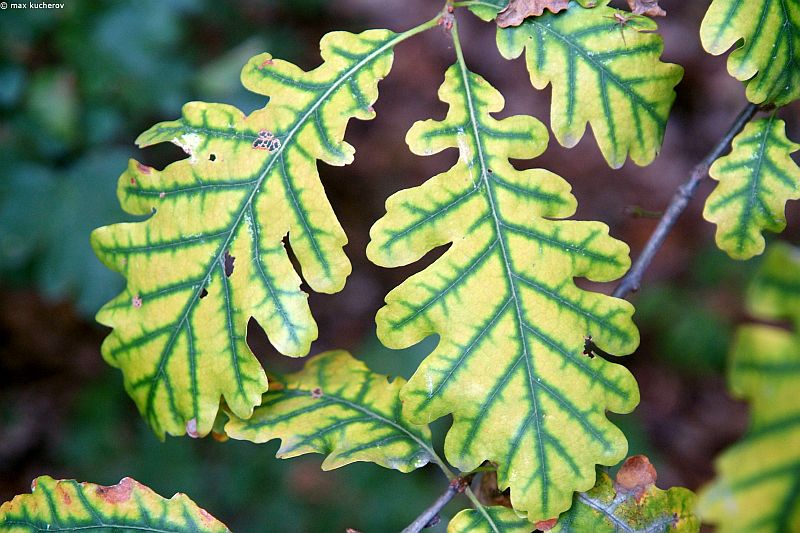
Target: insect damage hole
<point>227,262</point>
<point>212,157</point>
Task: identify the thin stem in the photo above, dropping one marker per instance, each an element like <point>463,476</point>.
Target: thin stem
<point>432,23</point>
<point>429,515</point>
<point>631,282</point>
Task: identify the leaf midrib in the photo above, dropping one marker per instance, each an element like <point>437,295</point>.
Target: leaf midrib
<point>167,351</point>
<point>506,262</point>
<point>619,524</point>
<point>299,392</point>
<point>754,195</point>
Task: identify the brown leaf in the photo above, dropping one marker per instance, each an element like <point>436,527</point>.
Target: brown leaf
<point>518,10</point>
<point>646,7</point>
<point>635,476</point>
<point>490,494</point>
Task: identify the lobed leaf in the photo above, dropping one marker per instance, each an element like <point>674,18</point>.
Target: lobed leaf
<point>211,255</point>
<point>488,9</point>
<point>338,407</point>
<point>766,34</point>
<point>495,519</point>
<point>756,180</point>
<point>630,505</point>
<point>67,505</point>
<point>604,72</point>
<point>502,299</point>
<point>757,488</point>
<point>518,10</point>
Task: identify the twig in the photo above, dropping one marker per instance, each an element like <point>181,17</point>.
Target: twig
<point>630,283</point>
<point>430,515</point>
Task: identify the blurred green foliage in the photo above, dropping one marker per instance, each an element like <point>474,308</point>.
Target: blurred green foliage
<point>78,84</point>
<point>690,323</point>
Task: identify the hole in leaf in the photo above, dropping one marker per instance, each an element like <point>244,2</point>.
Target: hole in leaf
<point>229,260</point>
<point>203,293</point>
<point>212,157</point>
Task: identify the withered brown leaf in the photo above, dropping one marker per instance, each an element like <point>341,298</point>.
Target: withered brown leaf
<point>518,10</point>
<point>646,7</point>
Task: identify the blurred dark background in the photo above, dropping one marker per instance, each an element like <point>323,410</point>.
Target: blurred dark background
<point>78,84</point>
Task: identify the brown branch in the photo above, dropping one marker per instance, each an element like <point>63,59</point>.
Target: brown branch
<point>430,516</point>
<point>631,282</point>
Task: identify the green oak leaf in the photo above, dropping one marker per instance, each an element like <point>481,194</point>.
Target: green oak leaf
<point>211,256</point>
<point>756,180</point>
<point>494,519</point>
<point>766,34</point>
<point>338,407</point>
<point>635,508</point>
<point>502,298</point>
<point>602,72</point>
<point>757,488</point>
<point>66,505</point>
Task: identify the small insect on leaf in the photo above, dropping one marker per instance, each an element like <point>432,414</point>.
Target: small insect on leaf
<point>605,69</point>
<point>504,302</point>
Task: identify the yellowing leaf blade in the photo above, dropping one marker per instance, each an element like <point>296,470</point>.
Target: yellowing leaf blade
<point>610,508</point>
<point>768,59</point>
<point>604,72</point>
<point>757,488</point>
<point>489,520</point>
<point>67,505</point>
<point>211,255</point>
<point>511,321</point>
<point>337,407</point>
<point>756,180</point>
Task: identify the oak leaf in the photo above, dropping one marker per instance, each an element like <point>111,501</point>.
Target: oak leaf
<point>646,7</point>
<point>518,10</point>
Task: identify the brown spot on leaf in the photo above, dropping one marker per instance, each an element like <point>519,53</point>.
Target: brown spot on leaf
<point>136,301</point>
<point>546,525</point>
<point>121,492</point>
<point>646,7</point>
<point>635,476</point>
<point>228,262</point>
<point>316,393</point>
<point>191,428</point>
<point>266,63</point>
<point>133,181</point>
<point>34,483</point>
<point>518,10</point>
<point>144,169</point>
<point>65,497</point>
